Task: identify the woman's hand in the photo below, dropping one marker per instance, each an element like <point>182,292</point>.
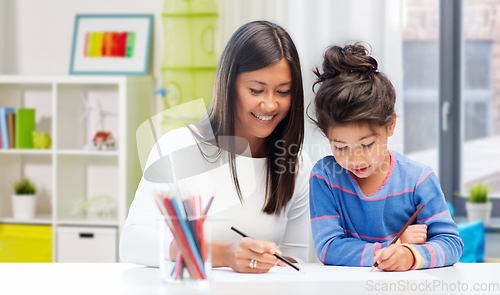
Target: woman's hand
<point>239,254</point>
<point>415,234</point>
<point>394,258</point>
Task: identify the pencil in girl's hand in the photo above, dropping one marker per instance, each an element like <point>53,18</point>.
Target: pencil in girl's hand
<point>400,233</point>
<point>276,255</point>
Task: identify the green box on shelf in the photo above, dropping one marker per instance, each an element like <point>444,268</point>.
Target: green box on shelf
<point>187,85</point>
<point>189,7</point>
<point>189,41</point>
<point>25,125</point>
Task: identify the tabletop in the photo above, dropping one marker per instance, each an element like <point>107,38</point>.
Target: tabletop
<point>124,278</point>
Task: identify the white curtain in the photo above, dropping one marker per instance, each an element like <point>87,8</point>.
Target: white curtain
<point>316,24</point>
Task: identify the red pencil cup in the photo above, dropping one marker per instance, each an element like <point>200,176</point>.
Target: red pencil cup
<point>192,239</point>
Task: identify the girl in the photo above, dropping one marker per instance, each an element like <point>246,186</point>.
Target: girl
<point>363,195</point>
<point>258,106</point>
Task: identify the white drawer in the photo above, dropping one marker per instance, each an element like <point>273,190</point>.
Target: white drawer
<point>86,244</point>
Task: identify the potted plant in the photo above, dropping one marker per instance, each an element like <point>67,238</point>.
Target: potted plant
<point>479,206</point>
<point>24,200</point>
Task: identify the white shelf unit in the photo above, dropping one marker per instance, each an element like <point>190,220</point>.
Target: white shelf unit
<point>67,172</point>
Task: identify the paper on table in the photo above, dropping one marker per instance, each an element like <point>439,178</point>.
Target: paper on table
<point>317,272</point>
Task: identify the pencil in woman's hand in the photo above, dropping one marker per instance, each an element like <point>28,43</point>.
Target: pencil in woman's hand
<point>400,233</point>
<point>276,255</point>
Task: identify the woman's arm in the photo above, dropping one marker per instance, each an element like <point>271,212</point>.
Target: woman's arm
<point>295,242</point>
<point>139,241</point>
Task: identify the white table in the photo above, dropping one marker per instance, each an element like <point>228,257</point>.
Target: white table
<point>122,278</point>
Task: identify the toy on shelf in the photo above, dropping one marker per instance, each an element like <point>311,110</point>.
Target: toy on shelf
<point>163,92</point>
<point>41,140</point>
<point>91,141</point>
<point>103,141</point>
<point>99,206</point>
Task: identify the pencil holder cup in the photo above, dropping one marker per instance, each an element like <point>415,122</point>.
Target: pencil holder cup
<point>192,240</point>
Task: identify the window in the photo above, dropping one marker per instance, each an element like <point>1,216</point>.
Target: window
<point>421,81</point>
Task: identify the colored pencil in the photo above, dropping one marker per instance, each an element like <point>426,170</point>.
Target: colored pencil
<point>205,212</point>
<point>182,242</point>
<point>187,238</point>
<point>400,233</point>
<point>191,221</point>
<point>276,255</point>
<point>187,230</point>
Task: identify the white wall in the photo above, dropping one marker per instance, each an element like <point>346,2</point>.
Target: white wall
<point>3,34</point>
<point>40,32</point>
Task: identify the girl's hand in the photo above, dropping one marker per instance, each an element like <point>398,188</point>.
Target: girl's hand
<point>394,258</point>
<point>240,253</point>
<point>415,234</point>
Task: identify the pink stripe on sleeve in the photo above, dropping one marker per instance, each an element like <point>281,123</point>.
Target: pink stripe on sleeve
<point>421,180</point>
<point>324,254</point>
<point>432,253</point>
<point>326,216</point>
<point>435,215</point>
<point>442,251</point>
<point>389,195</point>
<point>367,237</point>
<point>334,185</point>
<point>363,255</point>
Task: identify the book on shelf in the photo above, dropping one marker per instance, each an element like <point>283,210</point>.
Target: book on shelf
<point>4,126</point>
<point>11,126</point>
<point>16,128</point>
<point>25,125</point>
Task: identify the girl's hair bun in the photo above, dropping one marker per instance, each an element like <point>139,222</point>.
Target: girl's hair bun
<point>349,59</point>
<point>352,90</point>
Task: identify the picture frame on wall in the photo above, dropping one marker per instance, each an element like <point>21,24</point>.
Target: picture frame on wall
<point>111,44</point>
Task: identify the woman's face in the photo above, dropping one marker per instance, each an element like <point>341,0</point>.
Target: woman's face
<point>263,98</point>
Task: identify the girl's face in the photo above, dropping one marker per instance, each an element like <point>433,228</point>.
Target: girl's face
<point>263,98</point>
<point>359,149</point>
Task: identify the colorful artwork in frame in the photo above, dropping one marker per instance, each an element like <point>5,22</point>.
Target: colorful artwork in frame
<point>111,44</point>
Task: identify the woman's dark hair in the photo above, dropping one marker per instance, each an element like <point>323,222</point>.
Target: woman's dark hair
<point>352,90</point>
<point>254,46</point>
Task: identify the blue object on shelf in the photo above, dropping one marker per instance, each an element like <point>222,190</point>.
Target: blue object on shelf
<point>161,91</point>
<point>472,234</point>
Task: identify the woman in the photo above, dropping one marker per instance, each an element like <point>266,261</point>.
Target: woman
<point>257,109</point>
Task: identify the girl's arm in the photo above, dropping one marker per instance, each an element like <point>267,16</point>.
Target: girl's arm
<point>443,246</point>
<point>332,247</point>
